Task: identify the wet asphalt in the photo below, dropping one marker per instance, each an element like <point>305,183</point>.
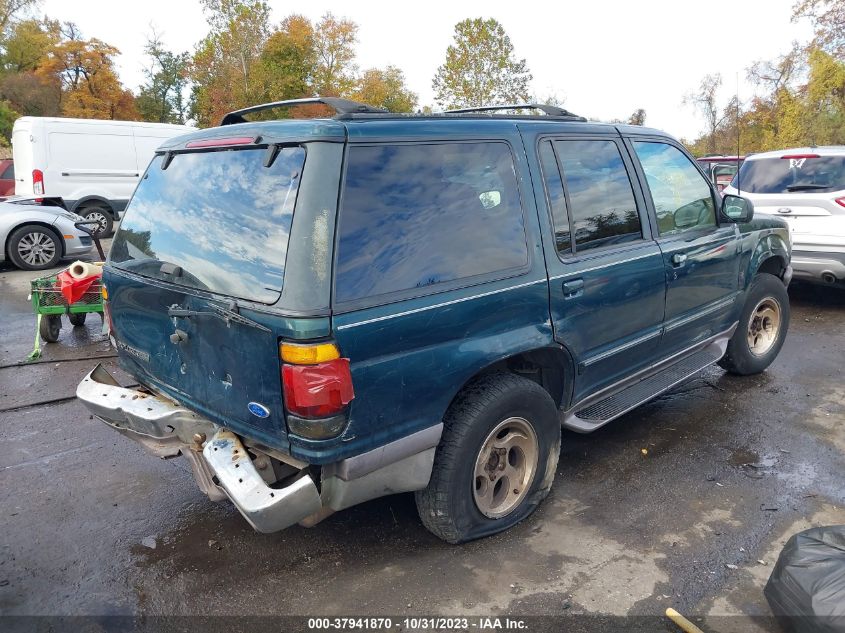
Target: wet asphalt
<point>684,502</point>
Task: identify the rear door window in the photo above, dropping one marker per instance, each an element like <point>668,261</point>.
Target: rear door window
<point>416,216</point>
<point>792,174</point>
<point>217,221</point>
<point>602,208</point>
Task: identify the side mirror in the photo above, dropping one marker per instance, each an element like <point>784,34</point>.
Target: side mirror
<point>737,209</point>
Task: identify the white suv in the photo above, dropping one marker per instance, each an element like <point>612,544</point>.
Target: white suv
<point>806,187</point>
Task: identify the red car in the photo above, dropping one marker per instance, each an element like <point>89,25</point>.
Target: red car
<point>7,177</point>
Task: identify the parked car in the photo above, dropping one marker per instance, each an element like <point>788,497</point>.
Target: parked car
<point>37,234</point>
<point>93,165</point>
<point>806,187</point>
<point>7,177</point>
<point>720,169</point>
<point>420,304</point>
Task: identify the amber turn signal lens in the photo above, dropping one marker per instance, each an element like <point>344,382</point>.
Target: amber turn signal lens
<point>105,293</point>
<point>308,354</point>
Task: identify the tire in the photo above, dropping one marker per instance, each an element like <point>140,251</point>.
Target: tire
<point>762,327</point>
<point>35,247</point>
<point>103,215</point>
<point>76,319</point>
<point>458,505</point>
<point>50,327</point>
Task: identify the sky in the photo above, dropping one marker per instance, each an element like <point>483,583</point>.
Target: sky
<point>603,58</point>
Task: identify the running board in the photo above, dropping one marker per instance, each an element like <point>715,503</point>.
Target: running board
<point>596,411</point>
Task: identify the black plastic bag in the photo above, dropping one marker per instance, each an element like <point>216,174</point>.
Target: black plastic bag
<point>807,586</point>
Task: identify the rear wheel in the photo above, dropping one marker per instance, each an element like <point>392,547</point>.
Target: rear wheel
<point>103,217</point>
<point>762,327</point>
<point>34,247</point>
<point>50,327</point>
<point>76,318</point>
<point>496,460</point>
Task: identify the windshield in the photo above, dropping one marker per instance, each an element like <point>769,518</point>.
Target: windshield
<point>821,174</point>
<point>217,221</point>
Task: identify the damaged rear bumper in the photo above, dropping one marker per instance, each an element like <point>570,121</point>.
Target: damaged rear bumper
<point>223,468</point>
<point>220,462</point>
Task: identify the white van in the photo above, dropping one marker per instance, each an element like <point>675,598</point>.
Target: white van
<point>93,165</point>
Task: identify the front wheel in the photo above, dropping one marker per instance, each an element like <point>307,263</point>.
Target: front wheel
<point>496,460</point>
<point>76,319</point>
<point>762,327</point>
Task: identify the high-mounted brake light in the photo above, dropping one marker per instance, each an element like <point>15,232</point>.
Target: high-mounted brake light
<point>221,142</point>
<point>799,156</point>
<point>37,182</point>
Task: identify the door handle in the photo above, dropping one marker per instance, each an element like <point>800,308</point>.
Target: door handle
<point>573,288</point>
<point>679,259</point>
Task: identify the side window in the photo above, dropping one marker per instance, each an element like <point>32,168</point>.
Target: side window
<point>557,199</point>
<point>9,173</point>
<point>414,216</point>
<point>601,201</point>
<point>682,197</point>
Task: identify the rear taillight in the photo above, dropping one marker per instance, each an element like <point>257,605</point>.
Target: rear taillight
<point>37,182</point>
<point>106,310</point>
<point>317,385</point>
<point>840,202</point>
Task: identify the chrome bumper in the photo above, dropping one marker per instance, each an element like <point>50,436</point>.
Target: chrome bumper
<point>220,463</point>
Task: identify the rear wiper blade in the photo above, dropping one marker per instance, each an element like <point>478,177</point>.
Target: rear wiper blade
<point>806,187</point>
<point>226,314</point>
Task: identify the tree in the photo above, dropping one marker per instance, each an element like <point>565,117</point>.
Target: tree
<point>828,19</point>
<point>480,68</point>
<point>289,60</point>
<point>637,118</point>
<point>223,65</point>
<point>12,9</point>
<point>85,70</point>
<point>386,89</point>
<point>334,45</point>
<point>27,43</point>
<point>162,97</point>
<point>705,101</point>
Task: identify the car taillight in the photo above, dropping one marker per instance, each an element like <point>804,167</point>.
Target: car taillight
<point>840,202</point>
<point>317,385</point>
<point>37,182</point>
<point>106,310</point>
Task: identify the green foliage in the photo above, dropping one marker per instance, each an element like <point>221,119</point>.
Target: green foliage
<point>386,89</point>
<point>480,68</point>
<point>7,119</point>
<point>162,97</point>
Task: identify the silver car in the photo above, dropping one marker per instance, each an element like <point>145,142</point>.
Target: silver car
<point>35,236</point>
<point>806,187</point>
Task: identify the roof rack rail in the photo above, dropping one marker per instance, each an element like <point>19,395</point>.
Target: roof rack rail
<point>546,109</point>
<point>341,106</point>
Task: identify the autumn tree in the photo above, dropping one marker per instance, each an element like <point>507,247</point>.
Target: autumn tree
<point>386,89</point>
<point>334,46</point>
<point>828,19</point>
<point>289,60</point>
<point>85,70</point>
<point>224,64</point>
<point>480,68</point>
<point>162,97</point>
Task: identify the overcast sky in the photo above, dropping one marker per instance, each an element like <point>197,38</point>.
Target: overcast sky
<point>605,58</point>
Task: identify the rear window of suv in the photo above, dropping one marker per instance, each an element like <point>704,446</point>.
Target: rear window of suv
<point>217,221</point>
<point>797,174</point>
<point>419,215</point>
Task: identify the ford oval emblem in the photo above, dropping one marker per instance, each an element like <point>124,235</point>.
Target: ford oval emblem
<point>784,210</point>
<point>258,410</point>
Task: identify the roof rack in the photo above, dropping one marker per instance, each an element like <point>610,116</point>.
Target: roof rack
<point>546,109</point>
<point>341,106</point>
